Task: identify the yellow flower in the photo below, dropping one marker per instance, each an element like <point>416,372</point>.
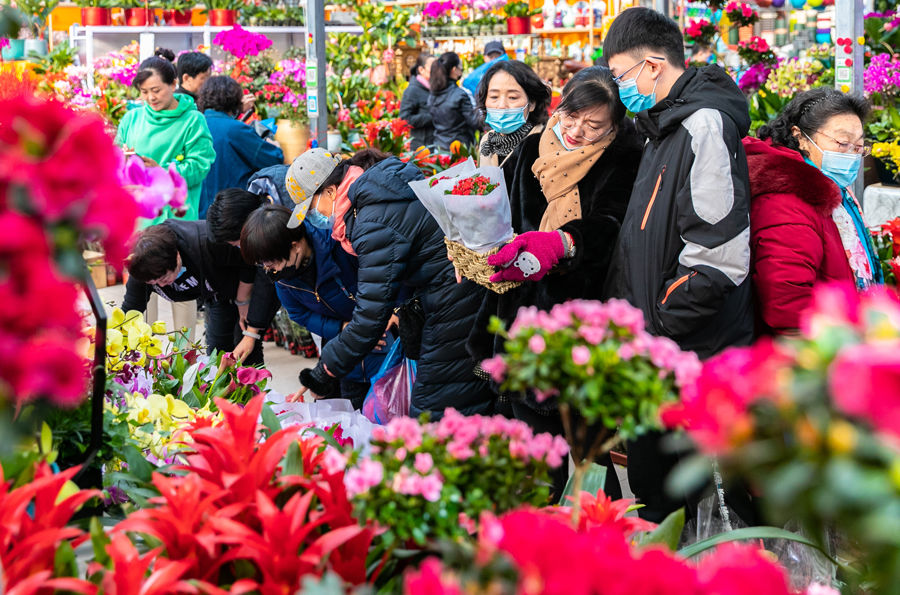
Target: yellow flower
<point>158,327</point>
<point>841,437</point>
<point>455,147</point>
<point>115,342</point>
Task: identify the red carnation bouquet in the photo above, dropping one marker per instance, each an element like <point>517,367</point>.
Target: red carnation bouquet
<point>473,186</point>
<point>471,206</point>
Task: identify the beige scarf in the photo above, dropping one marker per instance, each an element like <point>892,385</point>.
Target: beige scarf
<point>558,171</point>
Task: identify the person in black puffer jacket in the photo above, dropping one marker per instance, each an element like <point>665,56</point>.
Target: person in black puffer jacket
<point>376,216</point>
<point>414,105</point>
<point>452,107</point>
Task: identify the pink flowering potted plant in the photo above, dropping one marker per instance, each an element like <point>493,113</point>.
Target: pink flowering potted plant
<point>812,424</point>
<point>598,363</point>
<point>426,481</point>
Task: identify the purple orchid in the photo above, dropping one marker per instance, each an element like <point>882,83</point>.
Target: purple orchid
<point>153,188</point>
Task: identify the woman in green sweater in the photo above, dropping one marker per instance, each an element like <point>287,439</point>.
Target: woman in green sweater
<point>168,129</point>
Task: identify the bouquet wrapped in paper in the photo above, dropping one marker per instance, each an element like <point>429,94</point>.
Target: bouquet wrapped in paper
<point>471,206</point>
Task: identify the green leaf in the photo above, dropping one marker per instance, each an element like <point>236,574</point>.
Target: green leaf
<point>593,482</point>
<point>46,438</point>
<point>329,439</point>
<point>138,466</point>
<point>293,461</point>
<point>668,532</point>
<point>689,475</point>
<point>99,540</point>
<point>270,420</point>
<point>64,560</point>
<point>749,533</point>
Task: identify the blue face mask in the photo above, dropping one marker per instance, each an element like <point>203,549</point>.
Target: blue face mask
<point>634,100</point>
<point>320,221</point>
<point>505,121</point>
<point>558,130</point>
<point>843,168</point>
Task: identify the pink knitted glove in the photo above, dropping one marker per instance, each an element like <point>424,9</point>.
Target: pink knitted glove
<point>530,256</point>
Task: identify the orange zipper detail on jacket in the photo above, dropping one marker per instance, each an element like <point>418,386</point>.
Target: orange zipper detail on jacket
<point>675,286</point>
<point>652,198</point>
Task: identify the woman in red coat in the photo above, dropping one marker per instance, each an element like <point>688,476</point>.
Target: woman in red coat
<point>806,227</point>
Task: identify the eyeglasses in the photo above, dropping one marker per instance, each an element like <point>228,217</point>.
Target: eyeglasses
<point>588,132</point>
<point>618,80</point>
<point>848,147</point>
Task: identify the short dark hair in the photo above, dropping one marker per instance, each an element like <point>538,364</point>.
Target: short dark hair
<point>642,28</point>
<point>591,87</point>
<point>421,59</point>
<point>155,253</point>
<point>809,111</point>
<point>228,212</point>
<point>221,93</point>
<point>440,71</point>
<point>192,64</point>
<point>535,89</point>
<point>159,64</point>
<point>266,237</point>
<point>363,159</point>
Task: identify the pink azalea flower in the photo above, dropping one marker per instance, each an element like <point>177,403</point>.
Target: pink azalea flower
<point>581,355</point>
<point>496,367</point>
<point>864,382</point>
<point>537,344</point>
<point>424,463</point>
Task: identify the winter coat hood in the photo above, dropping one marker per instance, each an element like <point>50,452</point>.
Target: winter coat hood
<point>780,170</point>
<point>697,88</point>
<point>387,181</point>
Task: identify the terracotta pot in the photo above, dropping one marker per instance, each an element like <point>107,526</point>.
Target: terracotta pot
<point>178,18</point>
<point>518,25</point>
<point>95,16</point>
<point>293,138</point>
<point>221,17</point>
<point>138,17</point>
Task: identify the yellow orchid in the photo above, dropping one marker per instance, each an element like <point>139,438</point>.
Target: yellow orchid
<point>115,342</point>
<point>158,327</point>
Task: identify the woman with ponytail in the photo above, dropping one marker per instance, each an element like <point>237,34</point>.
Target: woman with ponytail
<point>806,226</point>
<point>414,105</point>
<point>452,108</point>
<point>168,129</point>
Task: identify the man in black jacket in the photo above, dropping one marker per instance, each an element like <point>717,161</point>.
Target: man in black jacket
<point>683,254</point>
<point>176,260</point>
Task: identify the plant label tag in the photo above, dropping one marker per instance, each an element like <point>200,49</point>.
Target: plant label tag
<point>312,105</point>
<point>311,71</point>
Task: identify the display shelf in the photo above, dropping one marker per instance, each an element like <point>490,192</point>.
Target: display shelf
<point>476,37</point>
<point>147,35</point>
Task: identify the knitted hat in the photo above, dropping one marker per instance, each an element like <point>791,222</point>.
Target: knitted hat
<point>304,176</point>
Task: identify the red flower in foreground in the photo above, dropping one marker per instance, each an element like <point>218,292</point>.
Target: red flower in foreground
<point>603,511</point>
<point>864,382</point>
<point>715,410</point>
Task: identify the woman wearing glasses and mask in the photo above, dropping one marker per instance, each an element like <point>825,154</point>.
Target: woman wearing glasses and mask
<point>806,225</point>
<point>569,192</point>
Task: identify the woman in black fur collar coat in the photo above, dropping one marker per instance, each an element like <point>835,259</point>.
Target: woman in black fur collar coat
<point>569,187</point>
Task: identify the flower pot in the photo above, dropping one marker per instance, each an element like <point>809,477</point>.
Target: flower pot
<point>500,29</point>
<point>293,138</point>
<point>138,17</point>
<point>177,18</point>
<point>37,46</point>
<point>15,50</point>
<point>733,35</point>
<point>96,16</point>
<point>518,25</point>
<point>334,141</point>
<point>221,17</point>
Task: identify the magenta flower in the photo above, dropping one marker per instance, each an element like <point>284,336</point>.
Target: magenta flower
<point>153,188</point>
<point>248,376</point>
<point>496,367</point>
<point>537,344</point>
<point>241,43</point>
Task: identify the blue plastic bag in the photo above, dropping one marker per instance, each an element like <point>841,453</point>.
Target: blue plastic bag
<point>392,385</point>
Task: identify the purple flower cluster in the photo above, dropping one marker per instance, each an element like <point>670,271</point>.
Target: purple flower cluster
<point>754,77</point>
<point>289,69</point>
<point>882,75</point>
<point>241,43</point>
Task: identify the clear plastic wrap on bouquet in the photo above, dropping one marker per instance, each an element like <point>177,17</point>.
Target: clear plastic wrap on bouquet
<point>475,226</point>
<point>480,223</point>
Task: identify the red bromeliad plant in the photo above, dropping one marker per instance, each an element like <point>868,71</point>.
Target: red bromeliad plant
<point>390,136</point>
<point>33,528</point>
<point>252,514</point>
